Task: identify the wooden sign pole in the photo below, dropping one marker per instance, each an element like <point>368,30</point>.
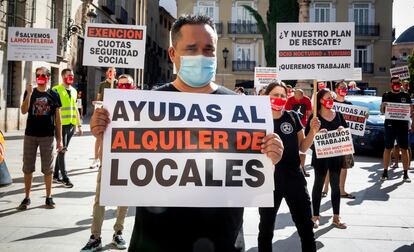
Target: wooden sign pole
<point>315,88</point>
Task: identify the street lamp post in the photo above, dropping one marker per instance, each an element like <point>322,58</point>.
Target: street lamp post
<point>225,54</point>
<point>393,61</point>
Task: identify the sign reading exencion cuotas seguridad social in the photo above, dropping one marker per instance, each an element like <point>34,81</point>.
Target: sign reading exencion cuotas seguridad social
<point>111,45</point>
<point>165,149</point>
<point>31,44</point>
<point>315,51</point>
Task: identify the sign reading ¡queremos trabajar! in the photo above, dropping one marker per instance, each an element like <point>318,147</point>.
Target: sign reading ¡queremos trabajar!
<point>31,44</point>
<point>333,143</point>
<point>186,149</point>
<point>398,111</point>
<point>323,51</point>
<point>112,45</point>
<point>355,116</point>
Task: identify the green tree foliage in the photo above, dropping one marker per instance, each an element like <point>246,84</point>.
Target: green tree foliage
<point>279,11</point>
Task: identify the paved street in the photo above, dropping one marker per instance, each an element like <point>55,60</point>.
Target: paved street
<point>381,218</point>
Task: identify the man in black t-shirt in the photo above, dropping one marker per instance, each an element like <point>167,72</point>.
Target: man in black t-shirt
<point>43,108</point>
<point>166,229</point>
<point>395,129</point>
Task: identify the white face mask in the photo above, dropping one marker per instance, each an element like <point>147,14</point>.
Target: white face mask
<point>197,71</point>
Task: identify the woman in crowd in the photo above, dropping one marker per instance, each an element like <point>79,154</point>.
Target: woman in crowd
<point>289,180</point>
<point>329,120</point>
<point>341,90</point>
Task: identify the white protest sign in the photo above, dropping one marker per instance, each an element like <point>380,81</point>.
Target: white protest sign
<point>31,44</point>
<point>113,45</point>
<point>264,76</point>
<point>315,50</point>
<point>397,111</point>
<point>333,143</point>
<point>357,75</point>
<point>186,149</point>
<point>354,116</point>
<point>402,72</point>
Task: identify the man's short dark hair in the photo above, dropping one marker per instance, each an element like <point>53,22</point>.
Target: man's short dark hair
<point>395,78</point>
<point>189,19</point>
<point>64,71</point>
<point>109,68</point>
<point>45,70</point>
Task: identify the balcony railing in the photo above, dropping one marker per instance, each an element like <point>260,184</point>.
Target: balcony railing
<point>107,5</point>
<point>242,28</point>
<point>121,14</point>
<point>219,28</point>
<point>367,30</point>
<point>245,66</point>
<point>366,67</point>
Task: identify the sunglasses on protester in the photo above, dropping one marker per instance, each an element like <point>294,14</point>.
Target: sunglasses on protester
<point>41,75</point>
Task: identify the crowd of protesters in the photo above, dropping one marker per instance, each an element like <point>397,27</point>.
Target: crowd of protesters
<point>54,116</point>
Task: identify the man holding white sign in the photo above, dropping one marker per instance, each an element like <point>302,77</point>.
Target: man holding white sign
<point>193,52</point>
<point>396,106</point>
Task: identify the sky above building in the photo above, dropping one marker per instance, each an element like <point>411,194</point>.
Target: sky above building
<point>170,6</point>
<point>403,16</point>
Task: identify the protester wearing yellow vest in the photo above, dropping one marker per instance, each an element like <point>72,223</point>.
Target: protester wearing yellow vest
<point>70,121</point>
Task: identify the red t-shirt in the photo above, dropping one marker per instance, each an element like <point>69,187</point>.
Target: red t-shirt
<point>300,106</point>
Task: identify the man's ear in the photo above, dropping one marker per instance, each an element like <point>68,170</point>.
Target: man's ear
<point>171,53</point>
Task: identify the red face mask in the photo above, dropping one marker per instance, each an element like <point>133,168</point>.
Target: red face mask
<point>321,85</point>
<point>327,103</point>
<point>396,87</point>
<point>41,80</point>
<point>277,103</point>
<point>342,91</point>
<point>69,79</point>
<point>125,86</point>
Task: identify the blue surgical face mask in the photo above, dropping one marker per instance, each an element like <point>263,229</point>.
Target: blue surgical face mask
<point>197,71</point>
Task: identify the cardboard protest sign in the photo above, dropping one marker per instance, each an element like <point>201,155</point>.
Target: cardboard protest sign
<point>402,72</point>
<point>31,44</point>
<point>186,149</point>
<point>112,45</point>
<point>357,75</point>
<point>354,116</point>
<point>315,50</point>
<point>333,143</point>
<point>398,111</point>
<point>263,76</point>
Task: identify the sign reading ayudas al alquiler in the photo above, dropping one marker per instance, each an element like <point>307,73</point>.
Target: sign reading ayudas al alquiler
<point>186,149</point>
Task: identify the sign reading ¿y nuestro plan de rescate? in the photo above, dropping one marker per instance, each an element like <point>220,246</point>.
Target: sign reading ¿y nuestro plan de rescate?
<point>315,50</point>
<point>165,149</point>
<point>110,45</point>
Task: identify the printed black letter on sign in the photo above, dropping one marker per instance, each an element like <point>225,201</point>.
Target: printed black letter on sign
<point>120,111</point>
<point>160,167</point>
<point>260,178</point>
<point>149,172</point>
<point>190,166</point>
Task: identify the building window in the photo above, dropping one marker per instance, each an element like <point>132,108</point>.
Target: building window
<point>242,14</point>
<point>51,13</point>
<point>361,54</point>
<point>206,8</point>
<point>161,19</point>
<point>322,12</point>
<point>361,13</point>
<point>243,52</point>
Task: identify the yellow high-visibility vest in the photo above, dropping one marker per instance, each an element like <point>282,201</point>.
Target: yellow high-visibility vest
<point>68,111</point>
